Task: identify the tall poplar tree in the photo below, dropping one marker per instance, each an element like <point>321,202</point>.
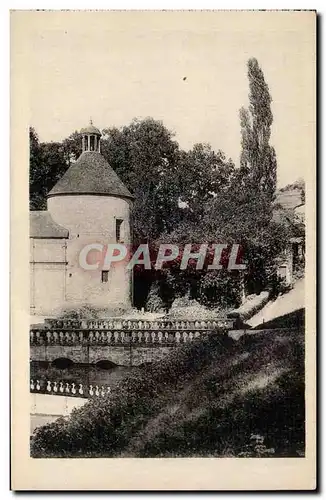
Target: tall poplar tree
<point>258,159</point>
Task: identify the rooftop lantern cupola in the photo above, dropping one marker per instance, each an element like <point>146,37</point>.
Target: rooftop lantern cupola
<point>91,137</point>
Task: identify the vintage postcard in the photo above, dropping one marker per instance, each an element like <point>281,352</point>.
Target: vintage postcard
<point>163,250</point>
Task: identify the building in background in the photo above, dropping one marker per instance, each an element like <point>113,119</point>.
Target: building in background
<point>290,210</point>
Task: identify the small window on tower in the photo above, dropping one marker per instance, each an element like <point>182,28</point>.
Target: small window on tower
<point>105,276</point>
<point>118,229</point>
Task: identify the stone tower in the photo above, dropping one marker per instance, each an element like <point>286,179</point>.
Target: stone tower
<point>93,205</point>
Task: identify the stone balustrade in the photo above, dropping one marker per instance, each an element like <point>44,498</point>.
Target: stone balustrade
<point>124,332</point>
<point>62,388</point>
<point>117,337</point>
<point>121,324</point>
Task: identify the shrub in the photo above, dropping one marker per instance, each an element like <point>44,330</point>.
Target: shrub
<point>220,288</point>
<point>277,286</point>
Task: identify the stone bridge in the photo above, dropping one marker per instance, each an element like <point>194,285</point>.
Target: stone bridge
<point>120,342</point>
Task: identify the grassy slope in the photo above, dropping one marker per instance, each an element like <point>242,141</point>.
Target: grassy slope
<point>207,399</point>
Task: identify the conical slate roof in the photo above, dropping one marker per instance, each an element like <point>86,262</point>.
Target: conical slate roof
<point>91,174</point>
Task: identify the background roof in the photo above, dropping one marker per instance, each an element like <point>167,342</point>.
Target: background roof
<point>42,225</point>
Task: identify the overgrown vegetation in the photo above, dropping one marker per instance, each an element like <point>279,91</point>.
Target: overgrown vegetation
<point>211,398</point>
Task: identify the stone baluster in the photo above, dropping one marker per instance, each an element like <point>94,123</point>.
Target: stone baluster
<point>67,390</point>
<point>153,336</point>
<point>116,337</point>
<point>91,337</point>
<point>48,387</point>
<point>147,334</point>
<point>91,392</point>
<point>177,337</point>
<point>109,337</point>
<point>97,392</point>
<point>197,334</point>
<point>31,336</point>
<point>38,337</point>
<point>191,336</point>
<point>140,336</point>
<point>97,336</point>
<point>32,386</point>
<point>102,391</point>
<point>55,386</point>
<point>38,385</point>
<point>61,388</point>
<point>185,337</point>
<point>166,337</point>
<point>73,388</point>
<point>160,336</point>
<point>81,390</point>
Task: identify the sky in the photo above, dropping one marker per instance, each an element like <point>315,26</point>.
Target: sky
<point>114,66</point>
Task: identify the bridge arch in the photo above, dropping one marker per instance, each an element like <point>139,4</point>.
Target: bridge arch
<point>105,364</point>
<point>62,363</point>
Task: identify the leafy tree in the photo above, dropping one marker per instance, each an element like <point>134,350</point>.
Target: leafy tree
<point>47,165</point>
<point>146,158</point>
<point>72,147</point>
<point>54,162</point>
<point>37,189</point>
<point>204,173</point>
<point>258,158</point>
